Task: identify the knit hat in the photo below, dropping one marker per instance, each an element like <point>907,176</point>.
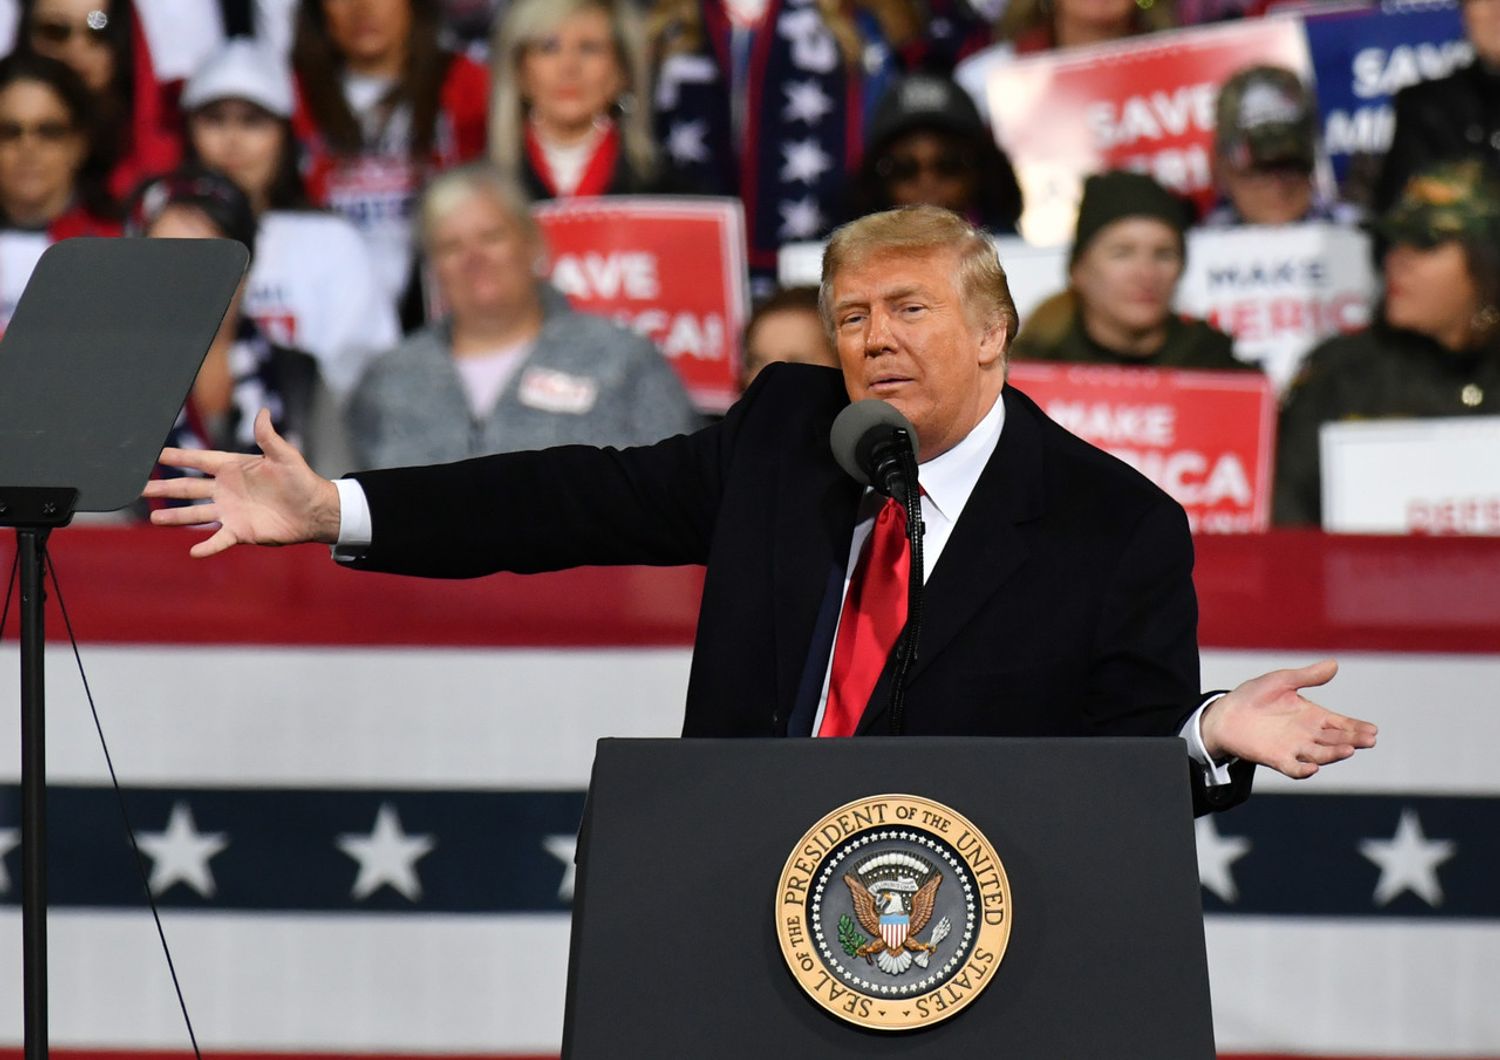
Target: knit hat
<point>1266,117</point>
<point>924,101</point>
<point>1447,201</point>
<point>242,69</point>
<point>1114,196</point>
<point>219,198</point>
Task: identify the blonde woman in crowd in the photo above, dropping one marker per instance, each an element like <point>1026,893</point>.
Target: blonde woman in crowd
<point>570,111</point>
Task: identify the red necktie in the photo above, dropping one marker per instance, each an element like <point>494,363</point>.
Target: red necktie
<point>874,612</point>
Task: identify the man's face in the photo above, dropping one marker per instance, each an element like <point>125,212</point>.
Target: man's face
<point>1269,195</point>
<point>903,336</point>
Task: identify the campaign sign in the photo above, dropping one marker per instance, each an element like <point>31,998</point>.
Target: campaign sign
<point>1279,290</point>
<point>1363,57</point>
<point>1204,437</point>
<point>1145,104</point>
<point>1436,476</point>
<point>672,270</point>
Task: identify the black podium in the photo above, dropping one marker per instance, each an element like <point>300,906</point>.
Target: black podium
<point>675,949</point>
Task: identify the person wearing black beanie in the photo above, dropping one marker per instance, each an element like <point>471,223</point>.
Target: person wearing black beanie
<point>1127,256</point>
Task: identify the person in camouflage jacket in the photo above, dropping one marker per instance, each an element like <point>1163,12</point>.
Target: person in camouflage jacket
<point>1435,347</point>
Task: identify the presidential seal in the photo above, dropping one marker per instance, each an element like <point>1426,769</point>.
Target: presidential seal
<point>893,912</point>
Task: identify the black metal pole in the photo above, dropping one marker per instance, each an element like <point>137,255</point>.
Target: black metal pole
<point>33,794</point>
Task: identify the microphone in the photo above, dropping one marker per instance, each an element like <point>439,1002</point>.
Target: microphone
<point>871,441</point>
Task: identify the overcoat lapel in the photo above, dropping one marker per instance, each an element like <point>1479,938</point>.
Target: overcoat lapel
<point>813,526</point>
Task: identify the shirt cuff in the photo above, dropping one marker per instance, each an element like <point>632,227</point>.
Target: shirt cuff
<point>1215,774</point>
<point>355,531</point>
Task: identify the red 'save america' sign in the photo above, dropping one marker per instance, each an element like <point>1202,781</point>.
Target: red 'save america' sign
<point>671,269</point>
<point>1145,104</point>
<point>1204,437</point>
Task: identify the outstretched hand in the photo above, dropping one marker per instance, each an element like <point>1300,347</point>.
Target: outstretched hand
<point>273,499</point>
<point>1266,720</point>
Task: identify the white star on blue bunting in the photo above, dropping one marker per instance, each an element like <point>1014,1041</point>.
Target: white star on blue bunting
<point>387,856</point>
<point>10,838</point>
<point>181,853</point>
<point>685,142</point>
<point>1408,861</point>
<point>805,161</point>
<point>800,218</point>
<point>806,102</point>
<point>565,849</point>
<point>1216,853</point>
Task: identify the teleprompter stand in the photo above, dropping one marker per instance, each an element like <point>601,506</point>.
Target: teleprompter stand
<point>675,950</point>
<point>97,360</point>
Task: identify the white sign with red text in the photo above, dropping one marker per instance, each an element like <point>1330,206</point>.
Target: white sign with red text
<point>1203,437</point>
<point>1279,290</point>
<point>1438,476</point>
<point>672,270</point>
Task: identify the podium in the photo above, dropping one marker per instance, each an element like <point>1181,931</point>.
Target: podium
<point>687,848</point>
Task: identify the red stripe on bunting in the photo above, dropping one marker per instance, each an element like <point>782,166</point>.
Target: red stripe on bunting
<point>1283,590</point>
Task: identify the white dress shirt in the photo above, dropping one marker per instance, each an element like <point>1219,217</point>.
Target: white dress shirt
<point>948,480</point>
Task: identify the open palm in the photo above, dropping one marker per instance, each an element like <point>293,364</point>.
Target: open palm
<point>1267,720</point>
<point>272,499</point>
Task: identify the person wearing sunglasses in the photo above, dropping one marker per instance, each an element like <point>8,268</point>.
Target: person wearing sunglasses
<point>46,193</point>
<point>137,132</point>
<point>928,146</point>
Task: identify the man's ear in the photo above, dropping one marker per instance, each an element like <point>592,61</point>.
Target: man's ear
<point>993,341</point>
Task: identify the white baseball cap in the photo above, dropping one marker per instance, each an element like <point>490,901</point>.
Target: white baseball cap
<point>242,69</point>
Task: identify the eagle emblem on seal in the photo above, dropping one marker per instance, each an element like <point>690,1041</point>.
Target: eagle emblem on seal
<point>893,896</point>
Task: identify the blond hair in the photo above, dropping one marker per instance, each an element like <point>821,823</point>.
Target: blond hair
<point>528,21</point>
<point>453,187</point>
<point>922,230</point>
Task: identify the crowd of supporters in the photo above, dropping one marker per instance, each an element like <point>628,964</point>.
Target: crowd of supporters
<point>379,158</point>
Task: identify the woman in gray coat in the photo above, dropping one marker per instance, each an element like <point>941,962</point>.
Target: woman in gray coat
<point>510,366</point>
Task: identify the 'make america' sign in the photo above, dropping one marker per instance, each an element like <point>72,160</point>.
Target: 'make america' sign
<point>1204,437</point>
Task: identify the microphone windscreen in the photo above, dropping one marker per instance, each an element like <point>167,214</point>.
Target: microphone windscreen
<point>858,420</point>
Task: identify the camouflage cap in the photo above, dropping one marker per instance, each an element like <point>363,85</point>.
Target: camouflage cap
<point>1266,117</point>
<point>1448,201</point>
